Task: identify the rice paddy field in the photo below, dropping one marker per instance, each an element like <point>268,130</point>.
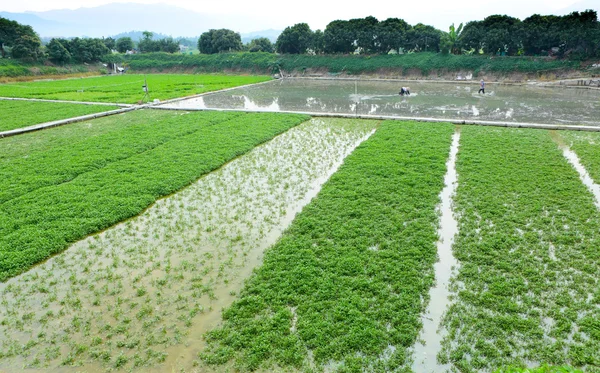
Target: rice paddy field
<point>209,241</point>
<point>18,114</point>
<point>125,89</point>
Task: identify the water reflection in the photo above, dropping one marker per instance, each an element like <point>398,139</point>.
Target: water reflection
<point>428,99</point>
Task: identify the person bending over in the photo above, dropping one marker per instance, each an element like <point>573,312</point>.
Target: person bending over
<point>405,91</point>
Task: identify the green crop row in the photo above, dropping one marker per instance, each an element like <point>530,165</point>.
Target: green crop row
<point>18,114</point>
<point>587,147</point>
<point>140,131</point>
<point>348,281</point>
<point>125,88</point>
<point>527,290</point>
<point>267,63</point>
<point>36,225</point>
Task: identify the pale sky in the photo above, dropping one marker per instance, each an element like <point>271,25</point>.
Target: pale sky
<point>318,13</point>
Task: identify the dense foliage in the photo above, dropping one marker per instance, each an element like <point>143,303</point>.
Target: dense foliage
<point>260,45</point>
<point>90,184</point>
<point>124,44</point>
<point>125,88</point>
<point>576,33</point>
<point>350,277</point>
<point>527,288</point>
<point>81,50</point>
<point>218,41</point>
<point>296,39</point>
<point>17,114</point>
<point>148,45</point>
<point>23,42</point>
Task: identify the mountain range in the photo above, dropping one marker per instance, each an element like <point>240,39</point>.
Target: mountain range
<point>116,18</point>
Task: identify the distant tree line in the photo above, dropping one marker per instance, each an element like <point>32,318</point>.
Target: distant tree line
<point>21,42</point>
<point>576,35</point>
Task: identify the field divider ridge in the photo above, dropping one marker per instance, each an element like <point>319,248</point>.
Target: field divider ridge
<point>170,101</point>
<point>64,101</point>
<point>56,123</point>
<point>542,126</point>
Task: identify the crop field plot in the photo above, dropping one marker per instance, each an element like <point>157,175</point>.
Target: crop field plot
<point>18,114</point>
<point>587,146</point>
<point>345,286</point>
<point>125,89</point>
<point>527,290</point>
<point>142,294</point>
<point>61,194</point>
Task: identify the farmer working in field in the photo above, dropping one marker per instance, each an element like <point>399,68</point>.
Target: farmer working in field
<point>405,91</point>
<point>481,87</point>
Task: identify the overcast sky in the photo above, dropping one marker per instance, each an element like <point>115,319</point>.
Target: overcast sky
<point>265,14</point>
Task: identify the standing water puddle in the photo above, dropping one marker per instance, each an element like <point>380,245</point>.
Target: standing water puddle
<point>573,159</point>
<point>425,353</point>
<point>443,100</point>
<point>141,294</point>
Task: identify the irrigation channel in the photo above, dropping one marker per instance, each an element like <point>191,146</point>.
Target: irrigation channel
<point>454,101</point>
<point>138,284</point>
<point>430,340</point>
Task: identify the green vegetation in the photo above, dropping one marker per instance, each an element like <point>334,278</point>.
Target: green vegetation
<point>527,288</point>
<point>266,62</point>
<point>542,369</point>
<point>17,114</point>
<point>15,68</point>
<point>125,88</point>
<point>349,279</point>
<point>89,193</point>
<point>142,289</point>
<point>587,147</point>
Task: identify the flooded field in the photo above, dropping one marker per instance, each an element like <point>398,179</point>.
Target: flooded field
<point>530,104</point>
<point>141,294</point>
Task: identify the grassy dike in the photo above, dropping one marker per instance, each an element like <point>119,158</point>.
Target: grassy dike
<point>349,279</point>
<point>424,62</point>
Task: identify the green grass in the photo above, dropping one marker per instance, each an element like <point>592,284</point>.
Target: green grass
<point>351,276</point>
<point>74,189</point>
<point>125,88</point>
<point>10,68</point>
<point>267,63</point>
<point>18,114</point>
<point>527,289</point>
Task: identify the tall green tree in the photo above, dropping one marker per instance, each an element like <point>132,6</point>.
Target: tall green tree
<point>124,44</point>
<point>57,52</point>
<point>261,45</point>
<point>295,39</point>
<point>393,33</point>
<point>423,38</point>
<point>217,41</point>
<point>338,37</point>
<point>21,37</point>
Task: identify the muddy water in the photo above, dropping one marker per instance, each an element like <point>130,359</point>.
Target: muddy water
<point>426,350</point>
<point>531,104</point>
<point>140,295</point>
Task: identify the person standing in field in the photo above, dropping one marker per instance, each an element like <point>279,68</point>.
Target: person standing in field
<point>481,87</point>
